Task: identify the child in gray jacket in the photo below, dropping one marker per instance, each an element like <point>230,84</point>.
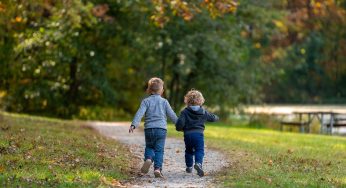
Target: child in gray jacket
<point>155,110</point>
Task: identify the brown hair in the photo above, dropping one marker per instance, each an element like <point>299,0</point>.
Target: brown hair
<point>194,97</point>
<point>155,86</point>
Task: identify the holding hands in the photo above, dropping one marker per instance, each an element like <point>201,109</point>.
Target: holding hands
<point>132,127</point>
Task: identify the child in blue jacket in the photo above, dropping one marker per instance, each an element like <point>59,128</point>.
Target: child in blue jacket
<point>191,122</point>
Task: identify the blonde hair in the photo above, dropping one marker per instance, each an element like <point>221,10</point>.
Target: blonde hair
<point>155,86</point>
<point>194,97</point>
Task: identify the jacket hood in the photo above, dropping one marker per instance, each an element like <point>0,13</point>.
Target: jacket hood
<point>199,112</point>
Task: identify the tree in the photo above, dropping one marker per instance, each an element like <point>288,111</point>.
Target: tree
<point>62,57</point>
<point>312,67</point>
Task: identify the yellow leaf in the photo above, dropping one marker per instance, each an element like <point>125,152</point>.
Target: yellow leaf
<point>243,33</point>
<point>19,19</point>
<point>2,8</point>
<point>44,103</point>
<point>232,8</point>
<point>279,24</point>
<point>270,162</point>
<point>318,5</point>
<point>2,94</point>
<point>40,147</point>
<point>302,51</point>
<point>130,71</point>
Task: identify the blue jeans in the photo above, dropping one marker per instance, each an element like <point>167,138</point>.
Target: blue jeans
<point>154,145</point>
<point>194,146</point>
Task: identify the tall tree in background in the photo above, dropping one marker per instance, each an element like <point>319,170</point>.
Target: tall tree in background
<point>313,63</point>
<point>62,58</point>
<point>59,61</point>
<point>217,56</point>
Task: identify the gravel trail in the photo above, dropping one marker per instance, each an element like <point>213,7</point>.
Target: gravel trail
<point>174,161</point>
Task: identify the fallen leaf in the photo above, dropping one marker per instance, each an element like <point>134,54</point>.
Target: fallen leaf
<point>5,127</point>
<point>269,180</point>
<point>40,147</point>
<point>270,162</point>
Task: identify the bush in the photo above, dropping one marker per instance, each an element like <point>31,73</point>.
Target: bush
<point>261,121</point>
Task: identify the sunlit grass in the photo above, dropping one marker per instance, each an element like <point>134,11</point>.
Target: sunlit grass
<point>37,151</point>
<point>266,158</point>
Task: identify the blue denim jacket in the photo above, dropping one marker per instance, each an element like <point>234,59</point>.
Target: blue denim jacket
<point>155,110</point>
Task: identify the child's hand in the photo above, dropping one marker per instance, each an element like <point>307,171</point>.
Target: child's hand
<point>132,127</point>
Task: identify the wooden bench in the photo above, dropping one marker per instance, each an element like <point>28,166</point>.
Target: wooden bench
<point>303,125</point>
<point>336,121</point>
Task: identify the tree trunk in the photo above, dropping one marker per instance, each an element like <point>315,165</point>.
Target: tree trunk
<point>73,88</point>
<point>174,85</point>
<point>73,80</point>
<point>173,90</point>
<point>177,95</point>
<point>163,60</point>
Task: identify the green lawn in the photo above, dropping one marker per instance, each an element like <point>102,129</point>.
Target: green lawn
<point>265,158</point>
<point>48,152</point>
<point>54,153</point>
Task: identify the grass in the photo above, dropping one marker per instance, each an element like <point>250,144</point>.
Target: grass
<point>46,152</point>
<point>266,158</point>
<point>37,152</point>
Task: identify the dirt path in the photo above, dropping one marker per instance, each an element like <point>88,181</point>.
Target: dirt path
<point>174,164</point>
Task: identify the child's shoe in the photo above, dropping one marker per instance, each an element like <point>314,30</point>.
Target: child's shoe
<point>158,174</point>
<point>199,169</point>
<point>189,169</point>
<point>146,166</point>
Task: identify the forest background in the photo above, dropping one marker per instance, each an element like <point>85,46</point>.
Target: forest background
<point>91,59</point>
